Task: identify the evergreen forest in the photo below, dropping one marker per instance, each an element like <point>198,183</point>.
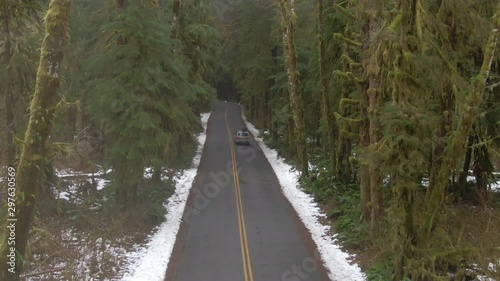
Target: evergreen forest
<point>389,109</point>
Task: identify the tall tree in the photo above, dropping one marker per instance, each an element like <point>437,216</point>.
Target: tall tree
<point>287,12</point>
<point>350,115</point>
<point>326,108</point>
<point>142,95</point>
<point>176,18</point>
<point>456,146</point>
<point>7,86</point>
<point>36,143</point>
<point>370,103</point>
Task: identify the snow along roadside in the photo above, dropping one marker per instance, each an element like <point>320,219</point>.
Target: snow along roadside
<point>150,262</point>
<point>334,259</point>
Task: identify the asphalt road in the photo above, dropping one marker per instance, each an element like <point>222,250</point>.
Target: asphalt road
<point>239,226</point>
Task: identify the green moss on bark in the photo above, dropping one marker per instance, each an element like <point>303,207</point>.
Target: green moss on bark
<point>35,147</point>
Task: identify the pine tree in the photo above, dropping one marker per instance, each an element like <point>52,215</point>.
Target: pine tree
<point>141,96</point>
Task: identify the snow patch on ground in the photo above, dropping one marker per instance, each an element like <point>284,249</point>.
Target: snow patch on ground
<point>335,260</point>
<point>70,173</point>
<point>92,253</point>
<point>69,193</point>
<point>150,262</point>
<point>149,171</point>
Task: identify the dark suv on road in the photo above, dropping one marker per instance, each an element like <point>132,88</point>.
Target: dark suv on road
<point>242,137</point>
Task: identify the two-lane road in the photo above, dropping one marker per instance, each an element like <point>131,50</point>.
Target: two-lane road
<point>238,225</point>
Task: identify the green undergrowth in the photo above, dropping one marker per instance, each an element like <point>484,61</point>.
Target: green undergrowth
<point>462,225</point>
<point>381,271</point>
<point>341,203</point>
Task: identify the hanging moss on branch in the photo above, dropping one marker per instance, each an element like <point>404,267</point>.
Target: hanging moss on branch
<point>457,147</point>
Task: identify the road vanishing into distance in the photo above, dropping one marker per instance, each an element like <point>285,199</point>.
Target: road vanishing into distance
<point>238,225</point>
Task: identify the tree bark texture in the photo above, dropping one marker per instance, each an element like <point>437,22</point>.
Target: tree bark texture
<point>287,9</point>
<point>326,114</point>
<point>371,101</point>
<point>34,153</point>
<point>7,87</point>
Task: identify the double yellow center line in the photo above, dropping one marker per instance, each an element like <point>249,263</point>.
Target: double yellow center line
<point>245,254</point>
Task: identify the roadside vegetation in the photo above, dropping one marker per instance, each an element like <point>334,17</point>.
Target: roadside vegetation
<point>97,121</point>
<point>397,105</point>
<point>389,109</point>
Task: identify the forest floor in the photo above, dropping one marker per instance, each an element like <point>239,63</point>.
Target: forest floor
<point>478,227</point>
<point>463,225</point>
<point>78,235</point>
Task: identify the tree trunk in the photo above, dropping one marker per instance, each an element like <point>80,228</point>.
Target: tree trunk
<point>126,179</point>
<point>462,179</point>
<point>33,156</point>
<point>176,18</point>
<point>364,169</point>
<point>326,114</point>
<point>375,100</point>
<point>403,208</point>
<point>344,167</point>
<point>371,100</point>
<point>456,146</point>
<point>446,110</point>
<point>157,171</point>
<point>287,9</point>
<point>7,89</point>
<point>481,184</point>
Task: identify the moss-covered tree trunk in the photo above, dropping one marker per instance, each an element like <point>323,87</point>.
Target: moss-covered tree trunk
<point>291,150</point>
<point>287,10</point>
<point>34,153</point>
<point>326,115</point>
<point>457,145</point>
<point>347,131</point>
<point>462,179</point>
<point>446,110</point>
<point>371,100</point>
<point>446,102</point>
<point>364,142</point>
<point>7,88</point>
<point>402,140</point>
<point>372,73</point>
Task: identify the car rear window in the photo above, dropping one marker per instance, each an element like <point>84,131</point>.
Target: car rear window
<point>243,134</point>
